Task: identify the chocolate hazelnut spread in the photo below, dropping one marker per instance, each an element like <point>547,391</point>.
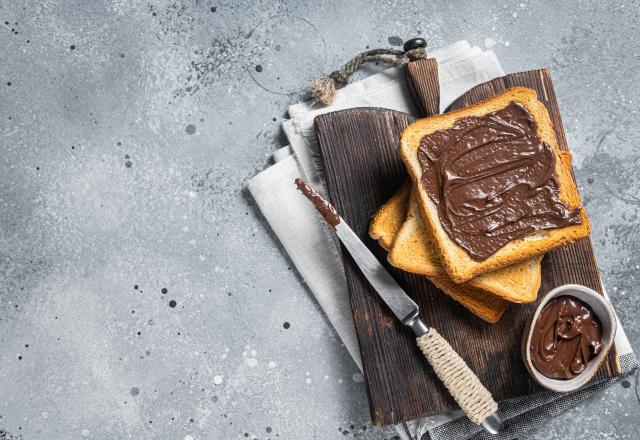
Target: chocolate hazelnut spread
<point>325,208</point>
<point>565,337</point>
<point>493,180</point>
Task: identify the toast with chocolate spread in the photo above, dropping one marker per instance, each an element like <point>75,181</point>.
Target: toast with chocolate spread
<point>491,185</point>
<point>413,251</point>
<point>384,227</point>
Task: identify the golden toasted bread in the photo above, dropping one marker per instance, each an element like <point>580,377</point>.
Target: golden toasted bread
<point>457,262</point>
<point>384,228</point>
<point>481,303</point>
<point>413,251</point>
<point>389,218</point>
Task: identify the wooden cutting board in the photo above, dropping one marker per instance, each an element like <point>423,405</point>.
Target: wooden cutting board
<point>363,169</point>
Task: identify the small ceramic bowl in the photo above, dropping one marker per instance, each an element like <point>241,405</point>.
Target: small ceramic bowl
<point>601,309</point>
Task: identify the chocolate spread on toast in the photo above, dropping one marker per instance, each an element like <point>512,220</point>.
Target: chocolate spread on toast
<point>325,208</point>
<point>566,336</point>
<point>493,180</point>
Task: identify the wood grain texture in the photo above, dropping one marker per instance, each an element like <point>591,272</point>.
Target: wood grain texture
<point>363,169</point>
<point>424,85</point>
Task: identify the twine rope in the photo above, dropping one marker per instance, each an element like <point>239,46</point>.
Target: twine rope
<point>324,89</point>
<point>467,390</point>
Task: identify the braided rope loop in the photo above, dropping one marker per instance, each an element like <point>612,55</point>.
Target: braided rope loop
<point>324,89</point>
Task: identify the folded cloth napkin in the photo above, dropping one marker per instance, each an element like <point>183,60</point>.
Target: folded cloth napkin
<point>315,252</point>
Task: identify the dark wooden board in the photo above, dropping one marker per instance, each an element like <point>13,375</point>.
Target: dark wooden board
<point>363,169</point>
<point>424,85</point>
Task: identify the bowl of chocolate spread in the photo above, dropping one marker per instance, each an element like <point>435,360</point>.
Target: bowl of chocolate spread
<point>568,337</point>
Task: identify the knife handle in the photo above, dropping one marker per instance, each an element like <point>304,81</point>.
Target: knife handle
<point>465,387</point>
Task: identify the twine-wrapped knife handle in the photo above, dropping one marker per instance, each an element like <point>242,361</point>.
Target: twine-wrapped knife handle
<point>465,387</point>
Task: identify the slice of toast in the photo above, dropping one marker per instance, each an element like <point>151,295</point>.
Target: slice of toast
<point>384,228</point>
<point>481,303</point>
<point>389,218</point>
<point>413,251</point>
<point>456,261</point>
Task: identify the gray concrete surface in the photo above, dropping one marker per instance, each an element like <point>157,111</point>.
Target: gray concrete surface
<point>127,132</point>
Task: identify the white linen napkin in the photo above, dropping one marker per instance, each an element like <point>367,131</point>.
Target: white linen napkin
<point>315,252</point>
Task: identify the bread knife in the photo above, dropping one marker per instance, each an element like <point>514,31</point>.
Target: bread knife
<point>465,387</point>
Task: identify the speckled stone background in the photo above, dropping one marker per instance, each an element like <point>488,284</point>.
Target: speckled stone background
<point>142,295</point>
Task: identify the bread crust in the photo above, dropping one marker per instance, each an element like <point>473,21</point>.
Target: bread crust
<point>413,251</point>
<point>456,261</point>
<point>388,219</point>
<point>384,227</point>
<point>481,303</point>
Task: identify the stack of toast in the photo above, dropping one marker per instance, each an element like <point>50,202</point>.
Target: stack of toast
<point>410,228</point>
